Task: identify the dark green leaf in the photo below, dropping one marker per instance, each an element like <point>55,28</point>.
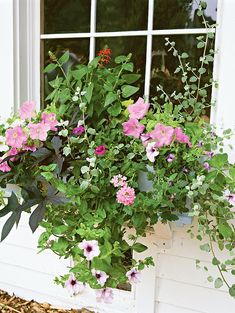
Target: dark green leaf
<point>11,205</point>
<point>110,98</point>
<point>56,144</point>
<point>37,216</point>
<point>50,67</point>
<point>115,109</point>
<point>64,58</point>
<point>13,219</point>
<point>139,247</point>
<point>41,153</point>
<point>225,230</point>
<point>131,78</point>
<point>128,90</point>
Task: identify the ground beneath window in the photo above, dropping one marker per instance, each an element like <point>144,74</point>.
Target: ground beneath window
<point>13,304</point>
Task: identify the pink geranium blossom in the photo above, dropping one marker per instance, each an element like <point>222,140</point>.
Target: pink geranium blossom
<point>74,286</point>
<point>38,131</point>
<point>163,135</point>
<point>119,180</point>
<point>105,294</point>
<point>138,109</point>
<point>90,248</point>
<point>152,151</point>
<point>50,119</point>
<point>126,195</point>
<point>133,128</point>
<point>4,167</point>
<point>27,110</point>
<point>133,276</point>
<point>100,276</point>
<point>100,150</point>
<point>16,137</point>
<point>181,137</point>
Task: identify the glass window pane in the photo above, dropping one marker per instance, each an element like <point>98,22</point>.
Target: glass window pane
<point>124,46</point>
<point>79,53</point>
<point>66,16</point>
<point>174,14</point>
<point>164,63</point>
<point>120,15</point>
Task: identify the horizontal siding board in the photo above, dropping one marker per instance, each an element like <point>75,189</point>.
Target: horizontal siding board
<point>169,308</point>
<point>184,270</point>
<point>193,297</point>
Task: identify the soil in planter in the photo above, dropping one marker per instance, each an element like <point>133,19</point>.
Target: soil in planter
<point>13,304</point>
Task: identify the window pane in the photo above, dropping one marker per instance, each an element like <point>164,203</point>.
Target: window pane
<point>66,16</point>
<point>164,63</point>
<point>79,53</point>
<point>125,45</point>
<point>173,14</point>
<point>120,15</point>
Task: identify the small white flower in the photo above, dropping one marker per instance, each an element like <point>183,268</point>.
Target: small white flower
<point>100,276</point>
<point>63,123</point>
<point>151,151</point>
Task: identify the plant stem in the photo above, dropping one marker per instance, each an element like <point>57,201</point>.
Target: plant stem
<point>5,306</point>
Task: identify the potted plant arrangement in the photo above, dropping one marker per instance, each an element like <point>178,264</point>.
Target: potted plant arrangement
<point>77,165</point>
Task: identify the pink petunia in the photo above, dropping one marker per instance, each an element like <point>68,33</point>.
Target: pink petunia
<point>38,131</point>
<point>100,150</point>
<point>16,137</point>
<point>230,197</point>
<point>133,276</point>
<point>4,167</point>
<point>163,135</point>
<point>119,180</point>
<point>133,128</point>
<point>74,286</point>
<point>27,110</point>
<point>126,195</point>
<point>90,248</point>
<point>105,294</point>
<point>138,109</point>
<point>170,158</point>
<point>100,276</point>
<point>12,152</point>
<point>181,137</point>
<point>50,119</point>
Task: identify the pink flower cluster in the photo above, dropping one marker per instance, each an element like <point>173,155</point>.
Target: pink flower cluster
<point>126,194</point>
<point>20,138</point>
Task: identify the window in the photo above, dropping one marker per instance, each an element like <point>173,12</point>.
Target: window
<point>137,26</point>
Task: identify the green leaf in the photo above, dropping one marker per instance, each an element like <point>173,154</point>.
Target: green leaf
<point>59,230</point>
<point>120,59</point>
<point>47,175</point>
<point>205,247</point>
<point>131,78</point>
<point>37,216</point>
<point>89,91</point>
<point>48,168</point>
<point>202,70</point>
<point>64,58</point>
<point>219,160</point>
<point>84,169</point>
<point>232,291</point>
<point>115,109</point>
<point>184,55</point>
<point>84,185</point>
<point>225,230</point>
<point>110,98</point>
<point>13,219</point>
<point>200,44</point>
<point>193,79</point>
<point>50,67</point>
<point>128,90</point>
<point>12,204</point>
<point>80,73</point>
<point>128,67</point>
<point>218,282</point>
<point>215,261</point>
<point>210,279</point>
<point>139,247</point>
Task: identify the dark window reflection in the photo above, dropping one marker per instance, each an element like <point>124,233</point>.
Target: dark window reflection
<point>164,63</point>
<point>173,14</point>
<point>66,16</point>
<point>79,53</point>
<point>121,15</point>
<point>125,45</point>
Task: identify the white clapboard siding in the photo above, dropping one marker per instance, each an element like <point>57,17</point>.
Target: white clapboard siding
<point>180,287</point>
